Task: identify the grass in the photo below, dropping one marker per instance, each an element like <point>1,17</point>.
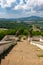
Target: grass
<point>41,55</point>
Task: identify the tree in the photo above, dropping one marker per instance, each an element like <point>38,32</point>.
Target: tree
<point>26,32</point>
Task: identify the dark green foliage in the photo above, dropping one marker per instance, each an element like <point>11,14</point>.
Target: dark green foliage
<point>23,31</point>
<point>26,32</point>
<point>22,28</point>
<point>11,31</point>
<point>13,25</point>
<point>41,33</point>
<point>35,33</point>
<point>7,32</point>
<point>2,33</point>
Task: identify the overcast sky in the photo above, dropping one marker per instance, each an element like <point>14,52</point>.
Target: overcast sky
<point>20,8</point>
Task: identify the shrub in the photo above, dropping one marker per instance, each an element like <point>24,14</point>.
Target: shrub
<point>19,38</point>
<point>2,33</point>
<point>35,33</point>
<point>41,55</point>
<point>26,32</point>
<point>21,30</point>
<point>42,33</point>
<point>24,38</point>
<point>11,32</point>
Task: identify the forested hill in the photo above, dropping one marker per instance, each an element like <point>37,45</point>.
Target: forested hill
<point>31,18</point>
<point>9,24</point>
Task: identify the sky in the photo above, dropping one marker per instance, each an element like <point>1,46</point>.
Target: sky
<point>20,8</point>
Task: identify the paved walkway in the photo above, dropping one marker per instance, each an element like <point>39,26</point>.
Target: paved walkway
<point>23,54</point>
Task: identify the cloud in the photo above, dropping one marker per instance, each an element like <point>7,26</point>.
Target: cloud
<point>30,4</point>
<point>40,2</point>
<point>21,4</point>
<point>6,3</point>
<point>22,7</point>
<point>38,8</point>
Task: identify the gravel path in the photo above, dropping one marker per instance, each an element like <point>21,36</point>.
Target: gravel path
<point>23,54</point>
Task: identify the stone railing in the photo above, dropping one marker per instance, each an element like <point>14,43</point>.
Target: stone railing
<point>4,45</point>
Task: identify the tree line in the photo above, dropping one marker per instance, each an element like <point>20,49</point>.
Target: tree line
<point>21,31</point>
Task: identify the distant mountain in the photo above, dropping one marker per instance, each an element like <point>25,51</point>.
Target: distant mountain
<point>31,18</point>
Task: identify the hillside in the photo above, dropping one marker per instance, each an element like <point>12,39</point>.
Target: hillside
<point>9,24</point>
<point>31,18</point>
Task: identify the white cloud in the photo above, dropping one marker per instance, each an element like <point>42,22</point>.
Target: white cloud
<point>6,3</point>
<point>40,2</point>
<point>29,4</point>
<point>19,6</point>
<point>27,8</point>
